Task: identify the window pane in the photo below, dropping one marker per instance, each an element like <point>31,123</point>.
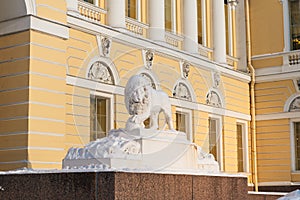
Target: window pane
<point>89,1</point>
<point>199,13</point>
<point>213,137</point>
<point>240,148</point>
<point>131,8</point>
<point>99,117</point>
<point>294,7</point>
<point>168,15</point>
<point>227,27</point>
<point>297,144</point>
<point>181,122</point>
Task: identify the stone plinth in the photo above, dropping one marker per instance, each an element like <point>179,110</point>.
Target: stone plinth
<point>146,150</point>
<point>121,185</point>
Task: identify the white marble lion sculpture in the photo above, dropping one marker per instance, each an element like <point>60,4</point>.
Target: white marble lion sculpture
<point>142,102</point>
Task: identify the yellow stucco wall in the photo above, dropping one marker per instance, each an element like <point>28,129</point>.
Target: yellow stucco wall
<point>273,147</point>
<point>43,116</point>
<point>53,10</point>
<point>14,82</point>
<point>266,19</point>
<point>272,96</point>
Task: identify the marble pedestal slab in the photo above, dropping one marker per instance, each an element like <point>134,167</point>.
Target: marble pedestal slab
<point>157,151</point>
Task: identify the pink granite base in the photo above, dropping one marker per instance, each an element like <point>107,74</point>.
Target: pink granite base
<point>121,185</point>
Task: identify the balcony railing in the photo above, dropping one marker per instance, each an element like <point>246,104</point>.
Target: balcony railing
<point>91,12</point>
<point>294,58</point>
<point>137,27</point>
<point>174,40</point>
<point>205,51</point>
<point>231,61</point>
<point>290,59</point>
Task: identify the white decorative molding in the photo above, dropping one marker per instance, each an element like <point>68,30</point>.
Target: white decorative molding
<point>274,116</point>
<point>216,79</point>
<point>278,76</point>
<point>161,48</point>
<point>184,90</point>
<point>213,98</point>
<point>30,7</point>
<point>152,77</point>
<point>34,23</point>
<point>185,69</point>
<point>289,101</point>
<point>297,84</point>
<point>181,91</point>
<point>89,11</point>
<point>149,79</point>
<point>106,45</point>
<point>136,27</point>
<point>295,105</point>
<point>99,71</point>
<point>148,56</point>
<point>72,5</point>
<point>115,89</point>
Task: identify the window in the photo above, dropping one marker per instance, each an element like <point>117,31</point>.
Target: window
<point>200,21</point>
<point>296,126</point>
<point>183,122</point>
<point>241,147</point>
<point>131,8</point>
<point>89,1</point>
<point>100,116</point>
<point>170,15</point>
<point>294,7</point>
<point>213,137</point>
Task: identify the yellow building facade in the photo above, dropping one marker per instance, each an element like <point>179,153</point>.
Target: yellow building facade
<point>275,55</point>
<point>64,66</point>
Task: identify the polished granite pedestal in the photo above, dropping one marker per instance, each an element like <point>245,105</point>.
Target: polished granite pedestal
<point>121,185</point>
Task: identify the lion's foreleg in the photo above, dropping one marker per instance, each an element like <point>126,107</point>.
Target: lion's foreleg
<point>154,120</point>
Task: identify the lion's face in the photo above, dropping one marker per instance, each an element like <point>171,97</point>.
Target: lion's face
<point>139,94</point>
<point>139,101</point>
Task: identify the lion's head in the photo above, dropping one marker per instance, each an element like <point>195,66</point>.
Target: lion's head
<point>137,95</point>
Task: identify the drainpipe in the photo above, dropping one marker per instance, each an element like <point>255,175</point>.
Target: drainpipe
<point>252,100</point>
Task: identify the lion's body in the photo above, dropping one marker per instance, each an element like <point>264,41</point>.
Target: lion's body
<point>142,102</point>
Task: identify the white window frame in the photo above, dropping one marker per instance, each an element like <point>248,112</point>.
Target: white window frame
<point>138,11</point>
<point>293,151</point>
<point>245,144</point>
<point>110,107</point>
<point>189,124</point>
<point>220,141</point>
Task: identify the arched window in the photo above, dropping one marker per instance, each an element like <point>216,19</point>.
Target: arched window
<point>100,71</point>
<point>213,98</point>
<point>101,103</point>
<point>181,91</point>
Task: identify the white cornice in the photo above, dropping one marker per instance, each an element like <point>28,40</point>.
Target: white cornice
<point>124,36</point>
<point>271,76</point>
<point>35,23</point>
<point>282,115</point>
